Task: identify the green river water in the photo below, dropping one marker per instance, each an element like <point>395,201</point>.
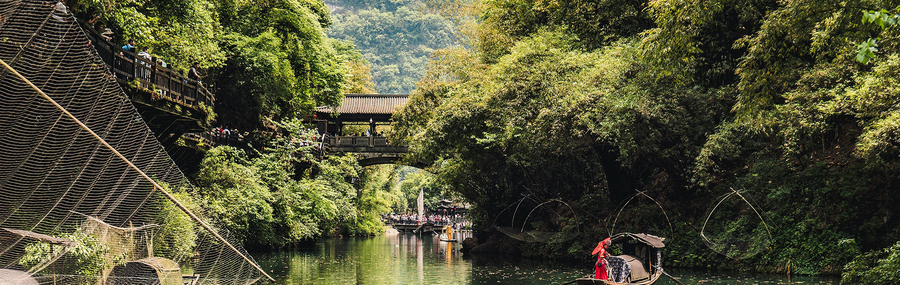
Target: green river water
<point>409,259</point>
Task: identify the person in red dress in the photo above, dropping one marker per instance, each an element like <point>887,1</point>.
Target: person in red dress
<point>600,267</point>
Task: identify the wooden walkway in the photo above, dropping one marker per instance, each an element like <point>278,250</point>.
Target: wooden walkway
<point>150,74</point>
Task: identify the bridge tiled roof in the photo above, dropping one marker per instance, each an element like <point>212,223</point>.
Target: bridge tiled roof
<point>367,104</point>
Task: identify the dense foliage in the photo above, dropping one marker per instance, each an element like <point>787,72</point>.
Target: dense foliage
<point>265,60</point>
<point>876,267</point>
<point>87,257</point>
<point>178,233</point>
<point>269,62</point>
<point>766,130</point>
<point>286,194</point>
<point>411,181</point>
<point>396,38</point>
<point>750,123</point>
<point>266,200</point>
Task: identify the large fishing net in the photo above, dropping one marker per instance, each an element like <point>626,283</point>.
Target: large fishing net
<point>640,213</point>
<point>735,228</point>
<point>88,195</point>
<point>554,216</point>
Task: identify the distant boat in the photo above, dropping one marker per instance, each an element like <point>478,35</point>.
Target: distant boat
<point>447,236</point>
<point>643,256</point>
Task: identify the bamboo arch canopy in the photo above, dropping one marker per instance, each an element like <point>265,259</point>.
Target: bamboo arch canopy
<point>651,240</point>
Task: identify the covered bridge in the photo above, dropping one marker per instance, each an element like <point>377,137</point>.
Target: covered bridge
<point>359,109</point>
<point>370,111</point>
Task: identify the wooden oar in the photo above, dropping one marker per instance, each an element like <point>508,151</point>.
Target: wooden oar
<point>670,276</point>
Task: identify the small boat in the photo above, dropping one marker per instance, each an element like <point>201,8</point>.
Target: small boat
<point>447,235</point>
<point>639,264</point>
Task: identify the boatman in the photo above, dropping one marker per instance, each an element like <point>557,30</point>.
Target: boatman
<point>600,267</point>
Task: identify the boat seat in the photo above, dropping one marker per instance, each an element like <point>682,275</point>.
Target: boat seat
<point>619,269</point>
<point>638,270</point>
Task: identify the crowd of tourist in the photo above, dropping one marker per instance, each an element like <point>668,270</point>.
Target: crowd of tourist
<point>143,66</point>
<point>308,137</point>
<point>367,134</point>
<point>457,221</point>
<point>226,133</point>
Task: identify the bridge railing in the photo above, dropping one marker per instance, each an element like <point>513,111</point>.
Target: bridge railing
<point>150,75</point>
<point>358,141</point>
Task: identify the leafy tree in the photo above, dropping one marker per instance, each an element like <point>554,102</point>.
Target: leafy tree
<point>876,267</point>
<point>181,32</point>
<point>764,96</point>
<point>266,61</point>
<point>397,42</point>
<point>285,195</point>
<point>409,181</point>
<point>595,23</point>
<point>866,50</point>
<point>359,79</point>
<point>88,257</point>
<point>281,64</point>
<point>387,5</point>
<point>234,192</point>
<point>376,196</point>
<point>178,236</point>
<point>549,122</point>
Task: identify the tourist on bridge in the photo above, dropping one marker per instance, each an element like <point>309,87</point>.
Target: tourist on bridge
<point>147,59</point>
<point>194,73</point>
<point>129,47</point>
<point>107,35</point>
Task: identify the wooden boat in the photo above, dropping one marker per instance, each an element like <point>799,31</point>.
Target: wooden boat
<point>447,235</point>
<point>642,252</point>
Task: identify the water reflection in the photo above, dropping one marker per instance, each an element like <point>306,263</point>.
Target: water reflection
<point>409,259</point>
<point>390,259</point>
<point>718,277</point>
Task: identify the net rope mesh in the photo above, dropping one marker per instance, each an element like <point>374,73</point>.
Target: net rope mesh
<point>553,218</point>
<point>59,181</point>
<point>735,228</point>
<point>535,236</point>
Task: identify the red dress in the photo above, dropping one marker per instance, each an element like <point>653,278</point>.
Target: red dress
<point>600,266</point>
<point>600,272</point>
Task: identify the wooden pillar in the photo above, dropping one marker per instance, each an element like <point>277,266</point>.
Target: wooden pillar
<point>322,125</point>
<point>371,133</point>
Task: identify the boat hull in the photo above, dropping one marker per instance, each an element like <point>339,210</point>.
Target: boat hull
<point>591,281</point>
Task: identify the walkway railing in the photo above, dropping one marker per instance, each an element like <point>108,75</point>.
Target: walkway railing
<point>150,75</point>
<point>361,141</point>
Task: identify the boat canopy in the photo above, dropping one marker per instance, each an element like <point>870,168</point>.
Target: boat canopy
<point>651,240</point>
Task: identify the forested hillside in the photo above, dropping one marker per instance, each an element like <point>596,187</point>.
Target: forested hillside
<point>747,132</point>
<point>395,37</point>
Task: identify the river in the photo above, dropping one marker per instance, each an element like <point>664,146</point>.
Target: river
<point>408,259</point>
